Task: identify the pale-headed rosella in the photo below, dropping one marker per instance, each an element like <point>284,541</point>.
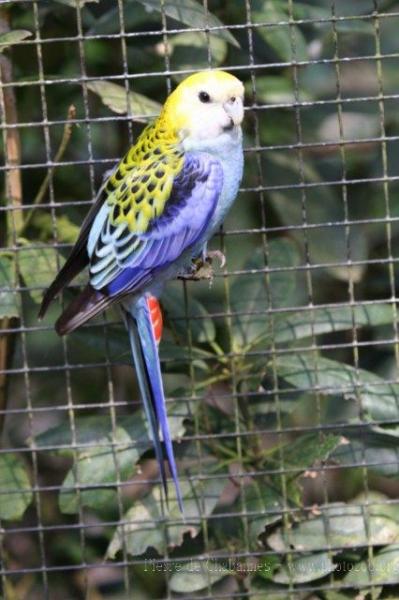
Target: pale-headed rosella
<point>152,218</point>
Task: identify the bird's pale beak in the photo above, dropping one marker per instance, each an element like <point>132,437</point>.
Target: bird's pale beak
<point>235,110</point>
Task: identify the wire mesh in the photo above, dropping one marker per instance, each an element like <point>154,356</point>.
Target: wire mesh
<point>281,377</point>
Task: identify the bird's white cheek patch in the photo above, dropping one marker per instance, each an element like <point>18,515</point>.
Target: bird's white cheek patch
<point>209,123</point>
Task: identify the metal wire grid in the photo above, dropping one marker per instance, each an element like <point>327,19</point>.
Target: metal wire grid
<point>25,374</point>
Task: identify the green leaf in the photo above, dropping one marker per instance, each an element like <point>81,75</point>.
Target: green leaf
<point>38,267</point>
<point>15,487</point>
<point>67,232</point>
<point>308,372</point>
<point>146,12</point>
<point>384,567</point>
<point>356,27</point>
<point>192,13</point>
<point>296,457</point>
<point>251,295</point>
<point>305,568</point>
<point>303,10</point>
<point>315,321</point>
<point>184,355</point>
<point>326,245</point>
<point>115,341</point>
<point>191,51</point>
<point>135,16</point>
<point>373,448</point>
<point>355,125</point>
<point>87,430</point>
<point>13,37</point>
<point>268,565</point>
<point>197,320</point>
<point>333,595</point>
<point>75,3</point>
<point>340,525</point>
<point>287,41</point>
<point>262,499</point>
<point>97,465</point>
<point>261,589</point>
<point>264,405</point>
<point>305,451</point>
<point>275,89</point>
<point>196,575</point>
<point>283,253</point>
<point>119,101</point>
<point>141,528</point>
<point>110,453</point>
<point>377,504</point>
<point>8,297</point>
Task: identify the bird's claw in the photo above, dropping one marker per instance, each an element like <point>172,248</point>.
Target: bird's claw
<point>201,268</point>
<point>210,256</point>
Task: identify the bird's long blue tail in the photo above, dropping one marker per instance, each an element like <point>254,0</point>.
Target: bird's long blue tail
<point>148,369</point>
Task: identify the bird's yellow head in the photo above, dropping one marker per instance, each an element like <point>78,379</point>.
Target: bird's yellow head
<point>204,106</point>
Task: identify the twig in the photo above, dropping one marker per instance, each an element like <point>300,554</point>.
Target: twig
<point>12,146</point>
<point>66,136</point>
<point>13,183</point>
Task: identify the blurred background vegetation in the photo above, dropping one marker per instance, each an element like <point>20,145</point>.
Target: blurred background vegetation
<point>281,376</point>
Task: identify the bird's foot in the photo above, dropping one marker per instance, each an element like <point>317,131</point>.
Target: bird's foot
<point>199,271</point>
<point>201,268</point>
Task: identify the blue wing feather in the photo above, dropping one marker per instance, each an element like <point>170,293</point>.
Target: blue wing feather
<point>193,199</point>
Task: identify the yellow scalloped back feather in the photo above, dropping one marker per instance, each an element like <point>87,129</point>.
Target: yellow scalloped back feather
<point>142,182</point>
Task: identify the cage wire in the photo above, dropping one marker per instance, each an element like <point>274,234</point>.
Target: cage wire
<point>281,376</point>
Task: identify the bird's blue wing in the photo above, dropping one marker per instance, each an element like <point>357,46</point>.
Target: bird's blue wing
<point>122,261</point>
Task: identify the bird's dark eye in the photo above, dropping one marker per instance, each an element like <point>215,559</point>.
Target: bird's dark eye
<point>204,97</point>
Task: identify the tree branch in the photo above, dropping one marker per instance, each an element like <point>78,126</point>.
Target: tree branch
<point>13,185</point>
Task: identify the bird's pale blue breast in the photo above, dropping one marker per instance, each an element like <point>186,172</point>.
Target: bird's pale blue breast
<point>228,150</point>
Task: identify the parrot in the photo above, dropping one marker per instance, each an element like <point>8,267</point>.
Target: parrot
<point>151,220</point>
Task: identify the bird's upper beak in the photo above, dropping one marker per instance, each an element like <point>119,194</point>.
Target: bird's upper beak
<point>235,109</point>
